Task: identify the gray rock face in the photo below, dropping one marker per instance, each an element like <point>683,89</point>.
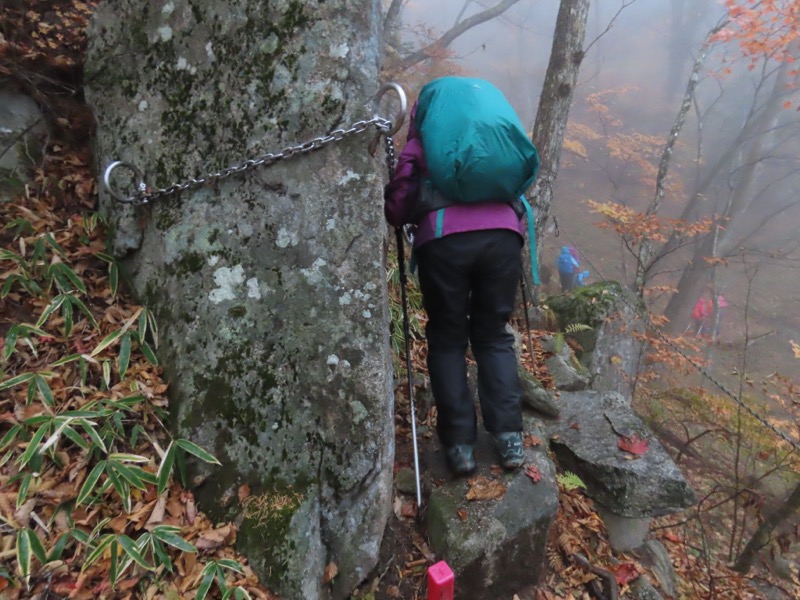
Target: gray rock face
<point>22,130</point>
<point>567,373</point>
<point>653,554</point>
<point>269,287</point>
<point>586,443</point>
<point>495,547</point>
<point>610,350</point>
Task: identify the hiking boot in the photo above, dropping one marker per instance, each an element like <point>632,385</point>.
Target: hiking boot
<point>509,445</point>
<point>460,459</point>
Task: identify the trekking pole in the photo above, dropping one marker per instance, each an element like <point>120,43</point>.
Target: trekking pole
<point>401,269</point>
<point>525,310</point>
<point>401,265</point>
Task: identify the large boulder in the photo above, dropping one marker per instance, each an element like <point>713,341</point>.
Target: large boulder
<point>269,287</point>
<point>495,546</point>
<point>629,487</point>
<point>605,324</point>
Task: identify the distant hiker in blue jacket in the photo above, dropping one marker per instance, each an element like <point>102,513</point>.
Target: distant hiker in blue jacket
<point>568,267</point>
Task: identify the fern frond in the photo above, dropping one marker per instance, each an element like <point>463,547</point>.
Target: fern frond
<point>577,327</point>
<point>570,481</point>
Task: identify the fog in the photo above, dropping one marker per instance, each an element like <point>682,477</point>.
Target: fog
<point>736,160</point>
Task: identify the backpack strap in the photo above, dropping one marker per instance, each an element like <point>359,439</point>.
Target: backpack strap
<point>439,222</point>
<point>531,239</point>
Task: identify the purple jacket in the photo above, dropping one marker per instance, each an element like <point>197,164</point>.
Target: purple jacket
<point>401,194</point>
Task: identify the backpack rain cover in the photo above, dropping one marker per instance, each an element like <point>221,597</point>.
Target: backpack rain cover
<point>475,145</point>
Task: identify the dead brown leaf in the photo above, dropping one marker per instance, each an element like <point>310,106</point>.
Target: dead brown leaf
<point>483,488</point>
<point>331,570</point>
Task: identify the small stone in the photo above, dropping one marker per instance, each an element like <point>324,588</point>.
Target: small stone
<point>405,481</point>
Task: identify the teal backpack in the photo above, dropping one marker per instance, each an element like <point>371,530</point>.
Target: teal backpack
<point>475,146</point>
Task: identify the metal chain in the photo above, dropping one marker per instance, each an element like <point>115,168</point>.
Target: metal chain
<point>781,434</point>
<point>145,194</point>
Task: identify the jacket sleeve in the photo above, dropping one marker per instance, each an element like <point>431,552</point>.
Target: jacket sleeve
<point>401,192</point>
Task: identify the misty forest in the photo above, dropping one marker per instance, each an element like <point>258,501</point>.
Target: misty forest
<point>213,376</point>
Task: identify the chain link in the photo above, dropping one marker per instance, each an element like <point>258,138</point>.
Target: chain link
<point>145,194</point>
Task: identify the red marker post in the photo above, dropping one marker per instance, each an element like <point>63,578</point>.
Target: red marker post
<point>441,582</point>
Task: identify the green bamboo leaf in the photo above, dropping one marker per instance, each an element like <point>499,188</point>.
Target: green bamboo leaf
<point>107,373</point>
<point>125,457</point>
<point>8,284</point>
<point>142,330</point>
<point>131,550</point>
<point>51,308</point>
<point>122,489</point>
<point>107,341</point>
<point>8,255</point>
<point>237,593</point>
<point>124,358</point>
<point>127,403</point>
<point>75,301</point>
<point>36,546</point>
<point>114,568</point>
<point>233,565</point>
<point>90,483</point>
<point>58,548</point>
<point>207,575</point>
<point>165,469</point>
<point>99,527</point>
<point>76,438</point>
<point>54,245</point>
<point>14,381</point>
<point>10,436</point>
<point>113,278</point>
<point>33,445</point>
<point>67,278</point>
<point>86,413</point>
<point>192,448</point>
<point>44,390</point>
<point>65,360</point>
<point>24,554</point>
<point>148,353</point>
<point>103,543</point>
<point>22,494</point>
<point>69,322</point>
<point>173,539</point>
<point>223,585</point>
<point>53,439</point>
<point>11,342</point>
<point>130,474</point>
<point>81,536</point>
<point>88,427</point>
<point>161,555</point>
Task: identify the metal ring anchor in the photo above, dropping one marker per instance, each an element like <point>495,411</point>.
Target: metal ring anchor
<point>400,117</point>
<point>141,185</point>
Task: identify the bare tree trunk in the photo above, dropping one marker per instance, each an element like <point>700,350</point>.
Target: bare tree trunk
<point>555,101</point>
<point>741,199</point>
<point>762,534</point>
<point>646,255</point>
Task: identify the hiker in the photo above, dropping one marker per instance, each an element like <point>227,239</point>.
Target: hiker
<point>469,262</point>
<point>568,266</point>
<point>703,312</point>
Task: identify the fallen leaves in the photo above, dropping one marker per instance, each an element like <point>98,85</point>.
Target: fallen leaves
<point>533,472</point>
<point>484,488</point>
<point>633,444</point>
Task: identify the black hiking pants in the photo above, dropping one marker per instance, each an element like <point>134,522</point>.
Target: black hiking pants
<point>469,283</point>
